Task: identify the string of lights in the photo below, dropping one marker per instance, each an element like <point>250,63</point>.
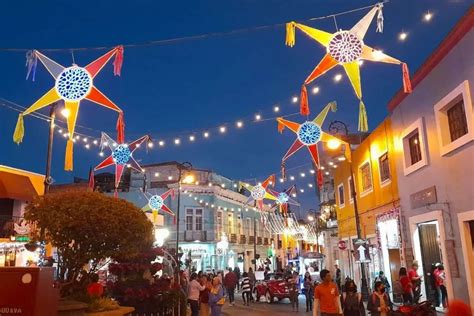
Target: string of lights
<point>195,37</point>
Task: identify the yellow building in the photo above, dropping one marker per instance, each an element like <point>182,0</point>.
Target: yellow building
<point>373,166</point>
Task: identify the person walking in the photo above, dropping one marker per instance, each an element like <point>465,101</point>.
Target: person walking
<point>293,286</point>
<point>338,276</point>
<point>253,280</point>
<point>440,278</point>
<point>237,274</point>
<point>204,296</point>
<point>415,280</point>
<point>352,304</point>
<point>216,297</point>
<point>194,289</point>
<point>326,296</point>
<point>308,289</point>
<point>246,288</point>
<point>382,278</point>
<point>404,280</point>
<point>379,303</point>
<point>230,281</point>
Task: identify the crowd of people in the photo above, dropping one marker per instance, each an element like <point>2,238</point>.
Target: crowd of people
<point>207,293</point>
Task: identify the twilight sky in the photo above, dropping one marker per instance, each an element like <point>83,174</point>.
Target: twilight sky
<point>187,87</point>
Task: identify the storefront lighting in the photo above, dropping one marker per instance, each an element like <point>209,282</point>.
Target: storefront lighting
<point>333,144</point>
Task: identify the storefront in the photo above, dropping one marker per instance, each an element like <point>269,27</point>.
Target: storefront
<point>389,249</point>
<point>200,255</point>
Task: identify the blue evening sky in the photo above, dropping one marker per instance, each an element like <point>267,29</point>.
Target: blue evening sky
<point>174,89</point>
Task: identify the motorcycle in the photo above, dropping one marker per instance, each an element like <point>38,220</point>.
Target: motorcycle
<point>421,309</point>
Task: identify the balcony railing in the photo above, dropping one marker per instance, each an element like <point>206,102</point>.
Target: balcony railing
<point>265,241</point>
<point>259,240</point>
<point>243,239</point>
<point>251,240</point>
<point>233,238</point>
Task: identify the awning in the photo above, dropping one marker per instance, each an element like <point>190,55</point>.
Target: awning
<point>20,184</point>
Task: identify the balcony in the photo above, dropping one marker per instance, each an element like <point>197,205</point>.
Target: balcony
<point>259,240</point>
<point>233,238</point>
<point>243,239</point>
<point>265,241</point>
<point>192,235</point>
<point>251,240</point>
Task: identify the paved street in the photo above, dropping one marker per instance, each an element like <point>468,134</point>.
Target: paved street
<point>263,308</point>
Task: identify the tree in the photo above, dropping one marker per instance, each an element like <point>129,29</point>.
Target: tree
<point>86,226</point>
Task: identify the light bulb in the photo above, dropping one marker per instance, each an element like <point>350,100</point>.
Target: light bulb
<point>161,143</point>
<point>402,36</point>
<point>427,17</point>
<point>276,109</point>
<point>337,77</point>
<point>206,134</point>
<point>177,141</point>
<point>65,112</point>
<point>150,144</point>
<point>191,138</point>
<point>315,90</point>
<point>222,129</point>
<point>258,117</point>
<point>239,124</point>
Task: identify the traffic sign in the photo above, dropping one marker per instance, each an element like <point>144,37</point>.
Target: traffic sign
<point>342,244</point>
<point>361,250</point>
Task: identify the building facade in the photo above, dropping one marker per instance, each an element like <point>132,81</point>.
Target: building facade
<point>216,228</point>
<point>433,129</point>
<point>375,182</point>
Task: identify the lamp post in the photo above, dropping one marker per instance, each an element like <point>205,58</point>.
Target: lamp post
<point>340,128</point>
<point>49,152</point>
<point>181,166</point>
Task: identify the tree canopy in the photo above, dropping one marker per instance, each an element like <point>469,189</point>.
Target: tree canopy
<point>86,226</point>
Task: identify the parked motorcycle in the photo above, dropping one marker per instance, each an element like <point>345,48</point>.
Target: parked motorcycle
<point>421,309</point>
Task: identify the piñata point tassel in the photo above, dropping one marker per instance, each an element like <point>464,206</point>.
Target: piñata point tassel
<point>68,160</point>
<point>406,79</point>
<point>290,34</point>
<point>118,61</point>
<point>19,130</point>
<point>120,128</point>
<point>304,105</point>
<point>31,63</point>
<point>320,178</point>
<point>333,106</point>
<point>283,171</point>
<point>281,127</point>
<point>380,19</point>
<point>363,125</point>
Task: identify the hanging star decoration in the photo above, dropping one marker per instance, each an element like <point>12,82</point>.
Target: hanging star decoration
<point>121,156</point>
<point>283,199</point>
<point>346,48</point>
<point>72,85</point>
<point>260,192</point>
<point>309,134</point>
<point>156,202</point>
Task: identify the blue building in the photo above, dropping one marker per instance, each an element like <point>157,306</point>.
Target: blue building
<point>216,229</point>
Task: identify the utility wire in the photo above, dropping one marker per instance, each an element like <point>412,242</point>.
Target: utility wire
<point>193,37</point>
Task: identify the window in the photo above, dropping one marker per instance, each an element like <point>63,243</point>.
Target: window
<point>457,121</point>
<point>249,227</point>
<point>454,121</point>
<point>350,184</point>
<point>189,219</point>
<point>384,168</point>
<point>414,147</point>
<point>340,194</point>
<point>230,223</point>
<point>239,225</point>
<point>198,213</point>
<point>219,224</point>
<point>365,177</point>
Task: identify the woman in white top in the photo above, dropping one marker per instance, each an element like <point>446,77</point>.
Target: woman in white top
<point>194,289</point>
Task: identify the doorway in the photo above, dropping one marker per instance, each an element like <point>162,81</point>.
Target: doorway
<point>431,255</point>
<point>466,229</point>
<point>394,263</point>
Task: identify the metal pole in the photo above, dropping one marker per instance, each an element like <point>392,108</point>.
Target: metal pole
<point>255,242</point>
<point>177,218</point>
<point>364,288</point>
<point>49,153</point>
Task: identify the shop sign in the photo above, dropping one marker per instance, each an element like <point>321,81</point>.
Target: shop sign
<point>23,228</point>
<point>423,197</point>
<point>195,249</point>
<point>342,244</point>
<point>361,250</point>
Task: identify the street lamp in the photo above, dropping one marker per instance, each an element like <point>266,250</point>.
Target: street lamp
<point>337,128</point>
<point>186,166</point>
<point>49,156</point>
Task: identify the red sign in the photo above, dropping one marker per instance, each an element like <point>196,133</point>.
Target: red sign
<point>342,245</point>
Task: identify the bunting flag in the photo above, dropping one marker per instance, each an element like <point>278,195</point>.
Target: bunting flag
<point>309,134</point>
<point>346,48</point>
<point>121,156</point>
<point>284,198</point>
<point>156,202</point>
<point>72,85</point>
<point>260,192</point>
